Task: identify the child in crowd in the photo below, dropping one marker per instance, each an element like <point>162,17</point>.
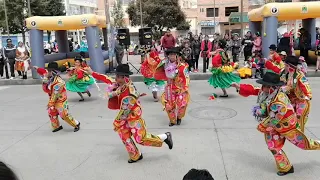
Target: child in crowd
<point>257,65</point>
<point>318,57</point>
<point>187,55</point>
<point>245,71</point>
<point>235,47</point>
<point>303,65</point>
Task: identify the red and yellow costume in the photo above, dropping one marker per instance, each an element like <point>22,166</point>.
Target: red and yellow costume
<point>58,102</point>
<point>128,122</point>
<point>176,96</point>
<point>275,64</point>
<point>280,124</point>
<point>22,60</point>
<point>299,92</point>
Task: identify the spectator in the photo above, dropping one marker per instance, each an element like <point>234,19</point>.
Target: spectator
<point>2,65</point>
<point>318,57</point>
<point>257,42</point>
<point>22,60</point>
<point>283,55</point>
<point>228,46</point>
<point>247,42</point>
<point>216,38</point>
<point>168,41</point>
<point>119,51</point>
<point>196,48</point>
<point>195,174</point>
<point>303,65</point>
<point>6,173</point>
<point>10,55</point>
<point>284,44</point>
<point>206,47</point>
<point>304,43</point>
<point>187,55</point>
<point>317,36</point>
<point>235,47</point>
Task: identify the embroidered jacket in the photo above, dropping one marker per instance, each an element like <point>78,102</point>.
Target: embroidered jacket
<point>220,59</point>
<point>297,87</point>
<point>55,88</point>
<point>280,113</point>
<point>177,75</point>
<point>123,98</point>
<point>275,64</point>
<point>150,64</point>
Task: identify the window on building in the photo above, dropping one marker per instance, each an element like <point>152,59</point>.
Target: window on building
<point>201,10</point>
<point>229,10</point>
<point>212,12</point>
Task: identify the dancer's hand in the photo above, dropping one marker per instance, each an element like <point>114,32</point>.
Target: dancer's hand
<point>88,70</point>
<point>235,85</point>
<point>35,67</point>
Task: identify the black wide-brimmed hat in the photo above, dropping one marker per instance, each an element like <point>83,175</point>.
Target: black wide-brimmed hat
<point>222,43</point>
<point>292,61</point>
<point>124,70</point>
<point>273,47</point>
<point>270,79</point>
<point>78,58</point>
<point>174,50</point>
<point>53,66</point>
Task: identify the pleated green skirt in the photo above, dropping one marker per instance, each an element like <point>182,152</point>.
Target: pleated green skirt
<point>79,85</point>
<point>220,79</point>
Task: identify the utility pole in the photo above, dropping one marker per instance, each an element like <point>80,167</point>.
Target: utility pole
<point>214,15</point>
<point>241,18</point>
<point>141,19</point>
<point>6,17</point>
<point>29,9</point>
<point>107,13</point>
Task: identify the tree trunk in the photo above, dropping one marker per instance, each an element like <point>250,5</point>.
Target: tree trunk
<point>49,36</point>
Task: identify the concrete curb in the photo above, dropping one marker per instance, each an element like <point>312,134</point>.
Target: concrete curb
<point>135,78</point>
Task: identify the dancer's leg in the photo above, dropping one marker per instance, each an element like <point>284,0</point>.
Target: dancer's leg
<point>302,110</point>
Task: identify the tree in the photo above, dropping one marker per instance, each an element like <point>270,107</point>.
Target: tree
<point>158,14</point>
<point>185,25</point>
<point>118,15</point>
<point>15,9</point>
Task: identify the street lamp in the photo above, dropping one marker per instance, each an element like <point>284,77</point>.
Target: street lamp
<point>241,18</point>
<point>141,20</point>
<point>29,8</point>
<point>214,15</point>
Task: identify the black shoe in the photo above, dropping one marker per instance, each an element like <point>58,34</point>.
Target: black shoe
<point>81,100</point>
<point>169,141</point>
<point>224,96</point>
<point>77,128</point>
<point>58,129</point>
<point>178,121</point>
<point>285,173</point>
<point>132,161</point>
<point>171,124</point>
<point>89,94</point>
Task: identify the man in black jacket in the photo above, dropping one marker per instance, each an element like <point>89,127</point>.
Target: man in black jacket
<point>9,53</point>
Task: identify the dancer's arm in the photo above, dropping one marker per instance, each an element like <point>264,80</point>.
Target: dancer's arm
<point>246,90</point>
<point>101,77</point>
<point>305,87</point>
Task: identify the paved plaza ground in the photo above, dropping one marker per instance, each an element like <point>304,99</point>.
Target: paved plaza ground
<point>219,135</point>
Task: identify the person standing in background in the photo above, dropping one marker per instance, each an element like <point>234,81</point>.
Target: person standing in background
<point>187,55</point>
<point>257,42</point>
<point>196,48</point>
<point>119,51</point>
<point>304,43</point>
<point>247,42</point>
<point>229,44</point>
<point>10,55</point>
<point>168,41</point>
<point>235,47</point>
<point>206,47</point>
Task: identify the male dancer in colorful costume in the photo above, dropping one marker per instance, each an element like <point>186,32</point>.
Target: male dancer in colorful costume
<point>277,119</point>
<point>275,63</point>
<point>176,96</point>
<point>124,96</point>
<point>148,69</point>
<point>298,90</point>
<point>55,87</point>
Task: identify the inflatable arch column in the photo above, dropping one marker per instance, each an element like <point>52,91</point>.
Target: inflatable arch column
<point>310,26</point>
<point>255,27</point>
<point>95,51</point>
<point>37,51</point>
<point>62,40</point>
<point>269,34</point>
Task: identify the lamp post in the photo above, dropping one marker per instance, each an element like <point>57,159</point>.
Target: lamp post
<point>141,20</point>
<point>106,11</point>
<point>6,17</point>
<point>241,18</point>
<point>214,15</point>
<point>29,8</point>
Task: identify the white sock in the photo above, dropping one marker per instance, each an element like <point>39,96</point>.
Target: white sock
<point>163,136</point>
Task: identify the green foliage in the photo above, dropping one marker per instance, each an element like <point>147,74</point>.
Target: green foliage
<point>184,26</point>
<point>118,15</point>
<point>158,14</point>
<point>17,11</point>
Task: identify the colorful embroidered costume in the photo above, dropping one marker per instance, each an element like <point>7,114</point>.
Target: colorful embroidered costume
<point>279,124</point>
<point>129,120</point>
<point>58,103</point>
<point>299,92</point>
<point>176,95</point>
<point>148,69</point>
<point>275,64</point>
<point>79,81</point>
<point>222,76</point>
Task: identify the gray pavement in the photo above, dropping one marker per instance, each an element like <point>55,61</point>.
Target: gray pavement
<point>135,61</point>
<point>219,135</point>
